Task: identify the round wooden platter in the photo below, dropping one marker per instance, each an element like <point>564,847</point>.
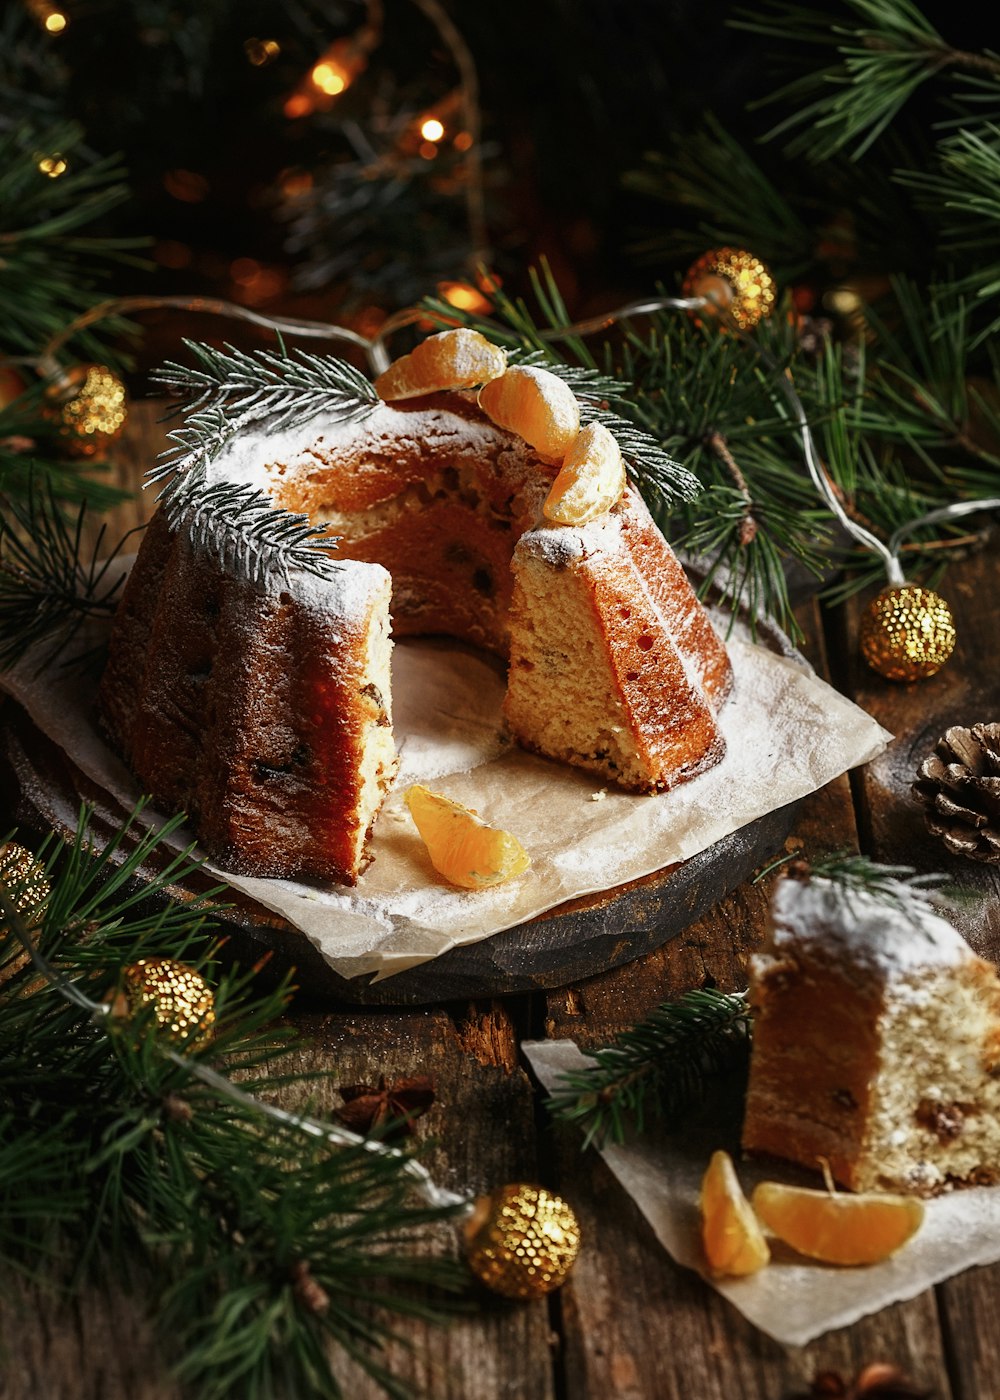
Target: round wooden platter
<point>575,940</point>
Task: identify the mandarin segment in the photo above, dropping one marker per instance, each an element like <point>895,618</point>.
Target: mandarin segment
<point>730,1232</point>
<point>538,406</point>
<point>591,479</point>
<point>838,1228</point>
<point>457,359</point>
<point>462,847</point>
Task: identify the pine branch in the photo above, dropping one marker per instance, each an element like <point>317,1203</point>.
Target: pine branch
<point>885,51</point>
<point>280,389</point>
<point>897,886</point>
<point>713,178</point>
<point>265,1246</point>
<point>652,469</point>
<point>48,269</point>
<point>659,1068</point>
<point>49,588</point>
<point>250,536</point>
<point>230,391</point>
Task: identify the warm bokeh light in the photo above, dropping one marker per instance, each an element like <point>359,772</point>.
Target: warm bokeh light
<point>431,129</point>
<point>428,150</point>
<point>463,141</point>
<point>298,105</point>
<point>56,22</point>
<point>254,283</point>
<point>169,253</point>
<point>844,300</point>
<point>261,51</point>
<point>330,78</point>
<point>295,183</point>
<point>186,185</point>
<point>464,297</point>
<point>244,270</point>
<point>52,166</point>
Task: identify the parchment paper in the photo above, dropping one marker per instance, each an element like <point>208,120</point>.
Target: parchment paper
<point>787,733</point>
<point>791,1300</point>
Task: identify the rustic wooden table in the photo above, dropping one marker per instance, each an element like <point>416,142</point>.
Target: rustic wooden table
<point>629,1324</point>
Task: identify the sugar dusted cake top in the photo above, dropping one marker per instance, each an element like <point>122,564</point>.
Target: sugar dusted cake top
<point>854,927</point>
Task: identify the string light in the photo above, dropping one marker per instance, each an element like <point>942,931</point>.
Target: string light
<point>464,297</point>
<point>186,185</point>
<point>329,78</point>
<point>261,51</point>
<point>53,20</point>
<point>53,166</point>
<point>431,129</point>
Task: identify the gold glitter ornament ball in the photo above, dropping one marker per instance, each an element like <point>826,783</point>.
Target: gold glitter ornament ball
<point>521,1241</point>
<point>907,633</point>
<point>90,406</point>
<point>733,281</point>
<point>182,1001</point>
<point>24,877</point>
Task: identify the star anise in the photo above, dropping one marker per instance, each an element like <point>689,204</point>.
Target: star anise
<point>877,1381</point>
<point>388,1110</point>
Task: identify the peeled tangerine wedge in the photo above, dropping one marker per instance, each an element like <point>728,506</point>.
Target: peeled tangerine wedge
<point>730,1232</point>
<point>538,406</point>
<point>591,479</point>
<point>462,848</point>
<point>458,359</point>
<point>838,1228</point>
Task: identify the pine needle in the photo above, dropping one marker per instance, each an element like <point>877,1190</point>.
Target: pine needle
<point>658,1069</point>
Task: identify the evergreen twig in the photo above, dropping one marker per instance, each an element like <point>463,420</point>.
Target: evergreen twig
<point>137,1156</point>
<point>657,1069</point>
<point>49,585</point>
<point>48,267</point>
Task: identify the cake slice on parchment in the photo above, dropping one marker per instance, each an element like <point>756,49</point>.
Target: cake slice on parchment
<point>876,1042</point>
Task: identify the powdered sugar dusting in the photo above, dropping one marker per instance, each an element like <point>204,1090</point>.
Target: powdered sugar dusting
<point>891,939</point>
<point>257,459</point>
<point>347,592</point>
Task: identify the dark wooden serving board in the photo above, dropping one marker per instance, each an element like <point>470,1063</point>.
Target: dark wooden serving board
<point>575,940</point>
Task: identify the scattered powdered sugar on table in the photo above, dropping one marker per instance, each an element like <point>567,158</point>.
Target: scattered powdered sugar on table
<point>792,1299</point>
<point>787,733</point>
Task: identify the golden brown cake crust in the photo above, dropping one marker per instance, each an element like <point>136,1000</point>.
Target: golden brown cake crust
<point>208,673</point>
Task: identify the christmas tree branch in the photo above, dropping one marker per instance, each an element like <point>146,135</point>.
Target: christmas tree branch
<point>267,1247</point>
<point>658,1069</point>
<point>49,585</point>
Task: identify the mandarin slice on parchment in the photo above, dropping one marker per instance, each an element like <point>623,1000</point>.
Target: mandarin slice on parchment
<point>538,406</point>
<point>730,1232</point>
<point>837,1227</point>
<point>458,359</point>
<point>590,480</point>
<point>462,847</point>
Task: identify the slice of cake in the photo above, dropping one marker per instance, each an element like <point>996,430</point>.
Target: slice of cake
<point>264,712</point>
<point>876,1042</point>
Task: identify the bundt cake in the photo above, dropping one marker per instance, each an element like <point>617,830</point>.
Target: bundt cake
<point>876,1042</point>
<point>261,705</point>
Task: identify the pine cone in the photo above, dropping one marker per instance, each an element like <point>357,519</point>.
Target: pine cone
<point>959,788</point>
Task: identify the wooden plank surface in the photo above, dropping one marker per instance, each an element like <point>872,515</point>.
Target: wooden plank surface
<point>629,1324</point>
<point>627,1290</point>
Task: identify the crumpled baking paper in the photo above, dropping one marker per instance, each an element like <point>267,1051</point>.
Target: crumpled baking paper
<point>787,732</point>
<point>792,1300</point>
